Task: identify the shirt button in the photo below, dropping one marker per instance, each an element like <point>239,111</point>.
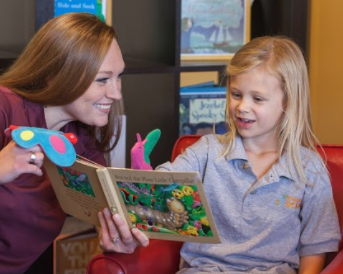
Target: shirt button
<point>253,192</point>
<point>245,166</point>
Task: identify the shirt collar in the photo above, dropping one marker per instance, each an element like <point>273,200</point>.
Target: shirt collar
<point>238,151</point>
<point>279,169</point>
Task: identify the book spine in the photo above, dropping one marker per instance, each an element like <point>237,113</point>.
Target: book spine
<point>110,193</point>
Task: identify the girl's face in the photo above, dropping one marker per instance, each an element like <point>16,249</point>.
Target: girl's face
<point>93,107</point>
<point>256,106</point>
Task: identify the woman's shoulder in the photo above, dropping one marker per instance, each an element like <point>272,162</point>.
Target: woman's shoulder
<point>9,98</point>
<point>10,103</point>
<point>6,94</point>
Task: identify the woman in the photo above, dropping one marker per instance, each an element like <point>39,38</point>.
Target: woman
<point>67,79</point>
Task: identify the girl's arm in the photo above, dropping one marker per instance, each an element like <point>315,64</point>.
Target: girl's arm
<point>313,264</point>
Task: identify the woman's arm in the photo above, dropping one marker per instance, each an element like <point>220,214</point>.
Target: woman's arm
<point>313,264</point>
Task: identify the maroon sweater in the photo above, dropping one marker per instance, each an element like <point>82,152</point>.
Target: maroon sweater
<point>30,215</point>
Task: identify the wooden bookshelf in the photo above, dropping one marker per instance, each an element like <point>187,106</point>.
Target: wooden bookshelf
<point>149,36</point>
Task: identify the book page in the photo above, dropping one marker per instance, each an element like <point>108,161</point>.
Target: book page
<point>165,205</point>
<point>78,189</point>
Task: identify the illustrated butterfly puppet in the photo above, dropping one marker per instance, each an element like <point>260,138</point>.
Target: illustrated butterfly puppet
<point>57,145</point>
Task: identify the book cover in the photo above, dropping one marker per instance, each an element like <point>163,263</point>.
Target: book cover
<point>72,252</point>
<point>162,204</point>
<point>202,109</point>
<point>213,30</point>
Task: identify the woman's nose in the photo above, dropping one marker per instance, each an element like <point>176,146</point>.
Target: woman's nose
<point>114,91</point>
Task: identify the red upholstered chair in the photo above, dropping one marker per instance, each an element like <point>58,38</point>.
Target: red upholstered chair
<point>164,257</point>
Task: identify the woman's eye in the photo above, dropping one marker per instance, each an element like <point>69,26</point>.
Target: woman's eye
<point>102,80</point>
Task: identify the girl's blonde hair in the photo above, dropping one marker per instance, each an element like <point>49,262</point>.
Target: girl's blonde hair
<point>282,58</point>
<point>60,63</point>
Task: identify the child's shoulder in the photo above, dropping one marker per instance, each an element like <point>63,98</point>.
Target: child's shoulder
<point>310,157</point>
<point>209,143</point>
<point>312,162</point>
<point>213,140</point>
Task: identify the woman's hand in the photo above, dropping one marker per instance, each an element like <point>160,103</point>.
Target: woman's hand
<point>116,236</point>
<point>15,161</point>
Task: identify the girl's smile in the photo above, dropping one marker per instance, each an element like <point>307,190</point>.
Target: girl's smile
<point>244,123</point>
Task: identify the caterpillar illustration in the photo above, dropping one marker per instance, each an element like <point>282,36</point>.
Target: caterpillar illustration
<point>175,218</point>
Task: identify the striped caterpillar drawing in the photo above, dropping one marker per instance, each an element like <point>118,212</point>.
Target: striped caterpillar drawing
<point>173,208</point>
<point>176,217</point>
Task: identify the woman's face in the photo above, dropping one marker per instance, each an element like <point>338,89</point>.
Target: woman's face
<point>93,107</point>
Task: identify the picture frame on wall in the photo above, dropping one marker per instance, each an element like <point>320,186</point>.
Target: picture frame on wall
<point>213,29</point>
<point>101,8</point>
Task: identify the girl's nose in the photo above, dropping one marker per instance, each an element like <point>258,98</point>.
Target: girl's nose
<point>243,106</point>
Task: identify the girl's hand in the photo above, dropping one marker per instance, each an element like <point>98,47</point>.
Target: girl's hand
<point>116,236</point>
<point>15,161</point>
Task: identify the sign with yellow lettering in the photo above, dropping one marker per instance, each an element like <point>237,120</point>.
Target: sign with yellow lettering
<point>73,252</point>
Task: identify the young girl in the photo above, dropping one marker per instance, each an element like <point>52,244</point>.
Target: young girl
<point>268,187</point>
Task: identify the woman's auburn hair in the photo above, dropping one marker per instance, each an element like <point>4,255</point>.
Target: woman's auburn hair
<point>60,63</point>
<point>281,57</point>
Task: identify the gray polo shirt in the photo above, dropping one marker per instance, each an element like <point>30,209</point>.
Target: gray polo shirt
<point>265,225</point>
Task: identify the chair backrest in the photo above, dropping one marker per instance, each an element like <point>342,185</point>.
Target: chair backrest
<point>334,161</point>
<point>182,143</point>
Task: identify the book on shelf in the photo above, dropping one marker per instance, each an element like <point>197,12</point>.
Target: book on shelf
<point>163,204</point>
<point>202,109</point>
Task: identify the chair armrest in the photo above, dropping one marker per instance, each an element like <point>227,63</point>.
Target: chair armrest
<point>160,256</point>
<point>104,263</point>
<point>335,266</point>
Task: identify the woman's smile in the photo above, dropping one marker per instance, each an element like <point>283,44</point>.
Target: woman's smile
<point>103,107</point>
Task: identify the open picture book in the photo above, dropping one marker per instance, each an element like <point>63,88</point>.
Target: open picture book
<point>162,204</point>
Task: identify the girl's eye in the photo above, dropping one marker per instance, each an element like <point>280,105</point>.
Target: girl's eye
<point>102,80</point>
<point>235,95</point>
<point>258,99</point>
